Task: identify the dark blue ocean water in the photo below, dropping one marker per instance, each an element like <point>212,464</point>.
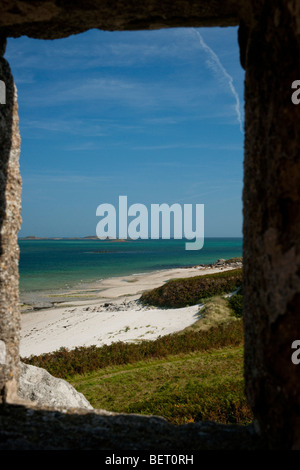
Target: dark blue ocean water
<point>59,264</point>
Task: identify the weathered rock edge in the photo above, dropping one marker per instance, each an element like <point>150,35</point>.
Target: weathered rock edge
<point>33,428</point>
<point>37,385</point>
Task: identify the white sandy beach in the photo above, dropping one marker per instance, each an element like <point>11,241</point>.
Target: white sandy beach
<point>112,315</point>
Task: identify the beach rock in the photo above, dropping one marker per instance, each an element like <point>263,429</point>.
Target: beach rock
<point>120,307</point>
<point>37,385</point>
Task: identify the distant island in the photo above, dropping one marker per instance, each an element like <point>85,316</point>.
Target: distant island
<point>89,237</point>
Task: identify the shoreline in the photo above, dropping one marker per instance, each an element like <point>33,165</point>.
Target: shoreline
<point>106,311</point>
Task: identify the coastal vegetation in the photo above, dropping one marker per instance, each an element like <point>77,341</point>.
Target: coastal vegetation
<point>185,377</point>
<point>190,387</point>
<point>65,363</point>
<point>193,375</point>
<point>216,311</point>
<point>236,303</point>
<point>178,293</point>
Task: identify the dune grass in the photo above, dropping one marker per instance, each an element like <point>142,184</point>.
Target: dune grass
<point>216,311</point>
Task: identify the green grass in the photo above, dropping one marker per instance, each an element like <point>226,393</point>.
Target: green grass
<point>182,388</point>
<point>178,293</point>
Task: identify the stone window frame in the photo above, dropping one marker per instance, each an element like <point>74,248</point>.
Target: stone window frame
<point>269,39</point>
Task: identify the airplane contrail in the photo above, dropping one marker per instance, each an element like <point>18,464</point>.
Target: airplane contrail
<point>215,63</point>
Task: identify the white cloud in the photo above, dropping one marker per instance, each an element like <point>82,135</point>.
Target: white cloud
<point>216,65</point>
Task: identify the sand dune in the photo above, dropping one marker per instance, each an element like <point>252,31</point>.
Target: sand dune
<point>113,314</point>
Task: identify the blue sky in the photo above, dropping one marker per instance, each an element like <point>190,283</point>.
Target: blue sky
<point>154,115</point>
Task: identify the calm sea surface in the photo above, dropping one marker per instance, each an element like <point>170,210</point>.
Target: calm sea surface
<point>60,264</point>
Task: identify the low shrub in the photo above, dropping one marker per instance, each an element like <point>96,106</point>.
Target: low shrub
<point>190,291</point>
<point>236,303</point>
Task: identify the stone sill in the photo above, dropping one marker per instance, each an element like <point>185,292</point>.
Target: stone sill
<point>34,428</point>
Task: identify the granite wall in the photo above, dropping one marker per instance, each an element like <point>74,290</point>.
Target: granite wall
<point>269,33</point>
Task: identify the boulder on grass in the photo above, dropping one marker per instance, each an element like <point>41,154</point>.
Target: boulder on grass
<point>37,385</point>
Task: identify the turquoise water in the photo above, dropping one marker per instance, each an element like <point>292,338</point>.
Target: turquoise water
<point>47,265</point>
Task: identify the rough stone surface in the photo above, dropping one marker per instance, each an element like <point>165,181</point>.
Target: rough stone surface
<point>37,385</point>
<point>269,38</point>
<point>10,220</point>
<point>59,18</point>
<point>271,50</point>
<point>32,428</point>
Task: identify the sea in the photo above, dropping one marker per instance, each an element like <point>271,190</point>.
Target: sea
<point>55,265</point>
